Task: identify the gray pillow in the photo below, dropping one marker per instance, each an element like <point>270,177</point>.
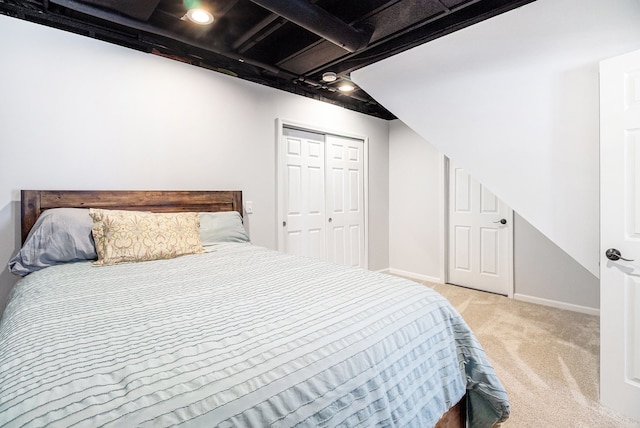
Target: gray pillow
<point>60,235</point>
<point>224,226</point>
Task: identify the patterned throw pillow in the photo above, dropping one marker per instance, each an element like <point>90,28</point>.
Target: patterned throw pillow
<point>135,236</point>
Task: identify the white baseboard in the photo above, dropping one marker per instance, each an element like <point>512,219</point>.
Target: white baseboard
<point>522,297</point>
<point>556,304</point>
<point>412,275</point>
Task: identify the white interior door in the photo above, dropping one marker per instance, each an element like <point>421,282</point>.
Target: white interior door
<point>304,201</point>
<point>620,230</point>
<point>345,201</point>
<point>480,236</point>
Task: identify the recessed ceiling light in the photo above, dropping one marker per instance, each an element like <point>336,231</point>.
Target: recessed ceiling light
<point>346,87</point>
<point>199,16</point>
<point>329,76</point>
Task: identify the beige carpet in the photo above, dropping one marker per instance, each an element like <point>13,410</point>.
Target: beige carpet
<point>546,358</point>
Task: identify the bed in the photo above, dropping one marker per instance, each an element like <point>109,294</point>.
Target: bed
<point>230,335</point>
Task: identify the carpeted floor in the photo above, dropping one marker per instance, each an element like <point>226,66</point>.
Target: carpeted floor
<point>546,358</point>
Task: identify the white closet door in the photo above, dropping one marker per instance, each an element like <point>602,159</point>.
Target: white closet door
<point>304,196</point>
<point>345,201</point>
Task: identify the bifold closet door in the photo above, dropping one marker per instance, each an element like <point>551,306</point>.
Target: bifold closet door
<point>304,194</point>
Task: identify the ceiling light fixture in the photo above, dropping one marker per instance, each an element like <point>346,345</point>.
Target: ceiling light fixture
<point>346,87</point>
<point>329,76</point>
<point>199,16</point>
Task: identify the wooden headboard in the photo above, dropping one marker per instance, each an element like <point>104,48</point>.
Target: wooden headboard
<point>34,202</point>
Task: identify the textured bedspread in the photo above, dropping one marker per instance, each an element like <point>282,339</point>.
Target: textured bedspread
<point>242,336</point>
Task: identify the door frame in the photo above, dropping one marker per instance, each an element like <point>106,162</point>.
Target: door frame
<point>280,158</point>
<point>444,229</point>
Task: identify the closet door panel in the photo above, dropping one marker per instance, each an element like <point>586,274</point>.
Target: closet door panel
<point>345,196</point>
<point>304,201</point>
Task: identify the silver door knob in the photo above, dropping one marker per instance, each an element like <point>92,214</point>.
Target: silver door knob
<point>615,255</point>
<point>501,221</point>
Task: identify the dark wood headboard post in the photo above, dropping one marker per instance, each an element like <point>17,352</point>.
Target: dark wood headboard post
<point>34,202</point>
<point>237,202</point>
<point>29,211</point>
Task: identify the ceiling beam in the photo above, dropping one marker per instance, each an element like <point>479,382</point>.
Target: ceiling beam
<point>317,20</point>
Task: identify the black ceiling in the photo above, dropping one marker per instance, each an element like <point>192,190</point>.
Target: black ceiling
<point>285,44</point>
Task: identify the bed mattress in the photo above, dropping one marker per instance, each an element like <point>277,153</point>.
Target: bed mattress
<point>238,336</point>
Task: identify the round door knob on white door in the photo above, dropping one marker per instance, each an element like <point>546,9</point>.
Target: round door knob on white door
<point>501,221</point>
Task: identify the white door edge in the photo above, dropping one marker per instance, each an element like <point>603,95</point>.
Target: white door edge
<point>511,286</point>
<point>279,181</point>
<point>443,203</point>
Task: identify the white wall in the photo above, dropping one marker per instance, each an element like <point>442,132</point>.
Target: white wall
<point>514,101</point>
<point>547,275</point>
<point>414,189</point>
<point>77,113</point>
<point>543,272</point>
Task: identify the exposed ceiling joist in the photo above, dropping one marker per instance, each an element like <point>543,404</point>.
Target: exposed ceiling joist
<point>320,22</point>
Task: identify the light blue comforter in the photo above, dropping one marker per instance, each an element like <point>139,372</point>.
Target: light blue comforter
<point>241,336</point>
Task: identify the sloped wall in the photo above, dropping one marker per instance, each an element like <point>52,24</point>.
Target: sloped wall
<point>514,101</point>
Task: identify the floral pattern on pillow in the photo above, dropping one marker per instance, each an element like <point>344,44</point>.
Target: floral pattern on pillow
<point>136,236</point>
